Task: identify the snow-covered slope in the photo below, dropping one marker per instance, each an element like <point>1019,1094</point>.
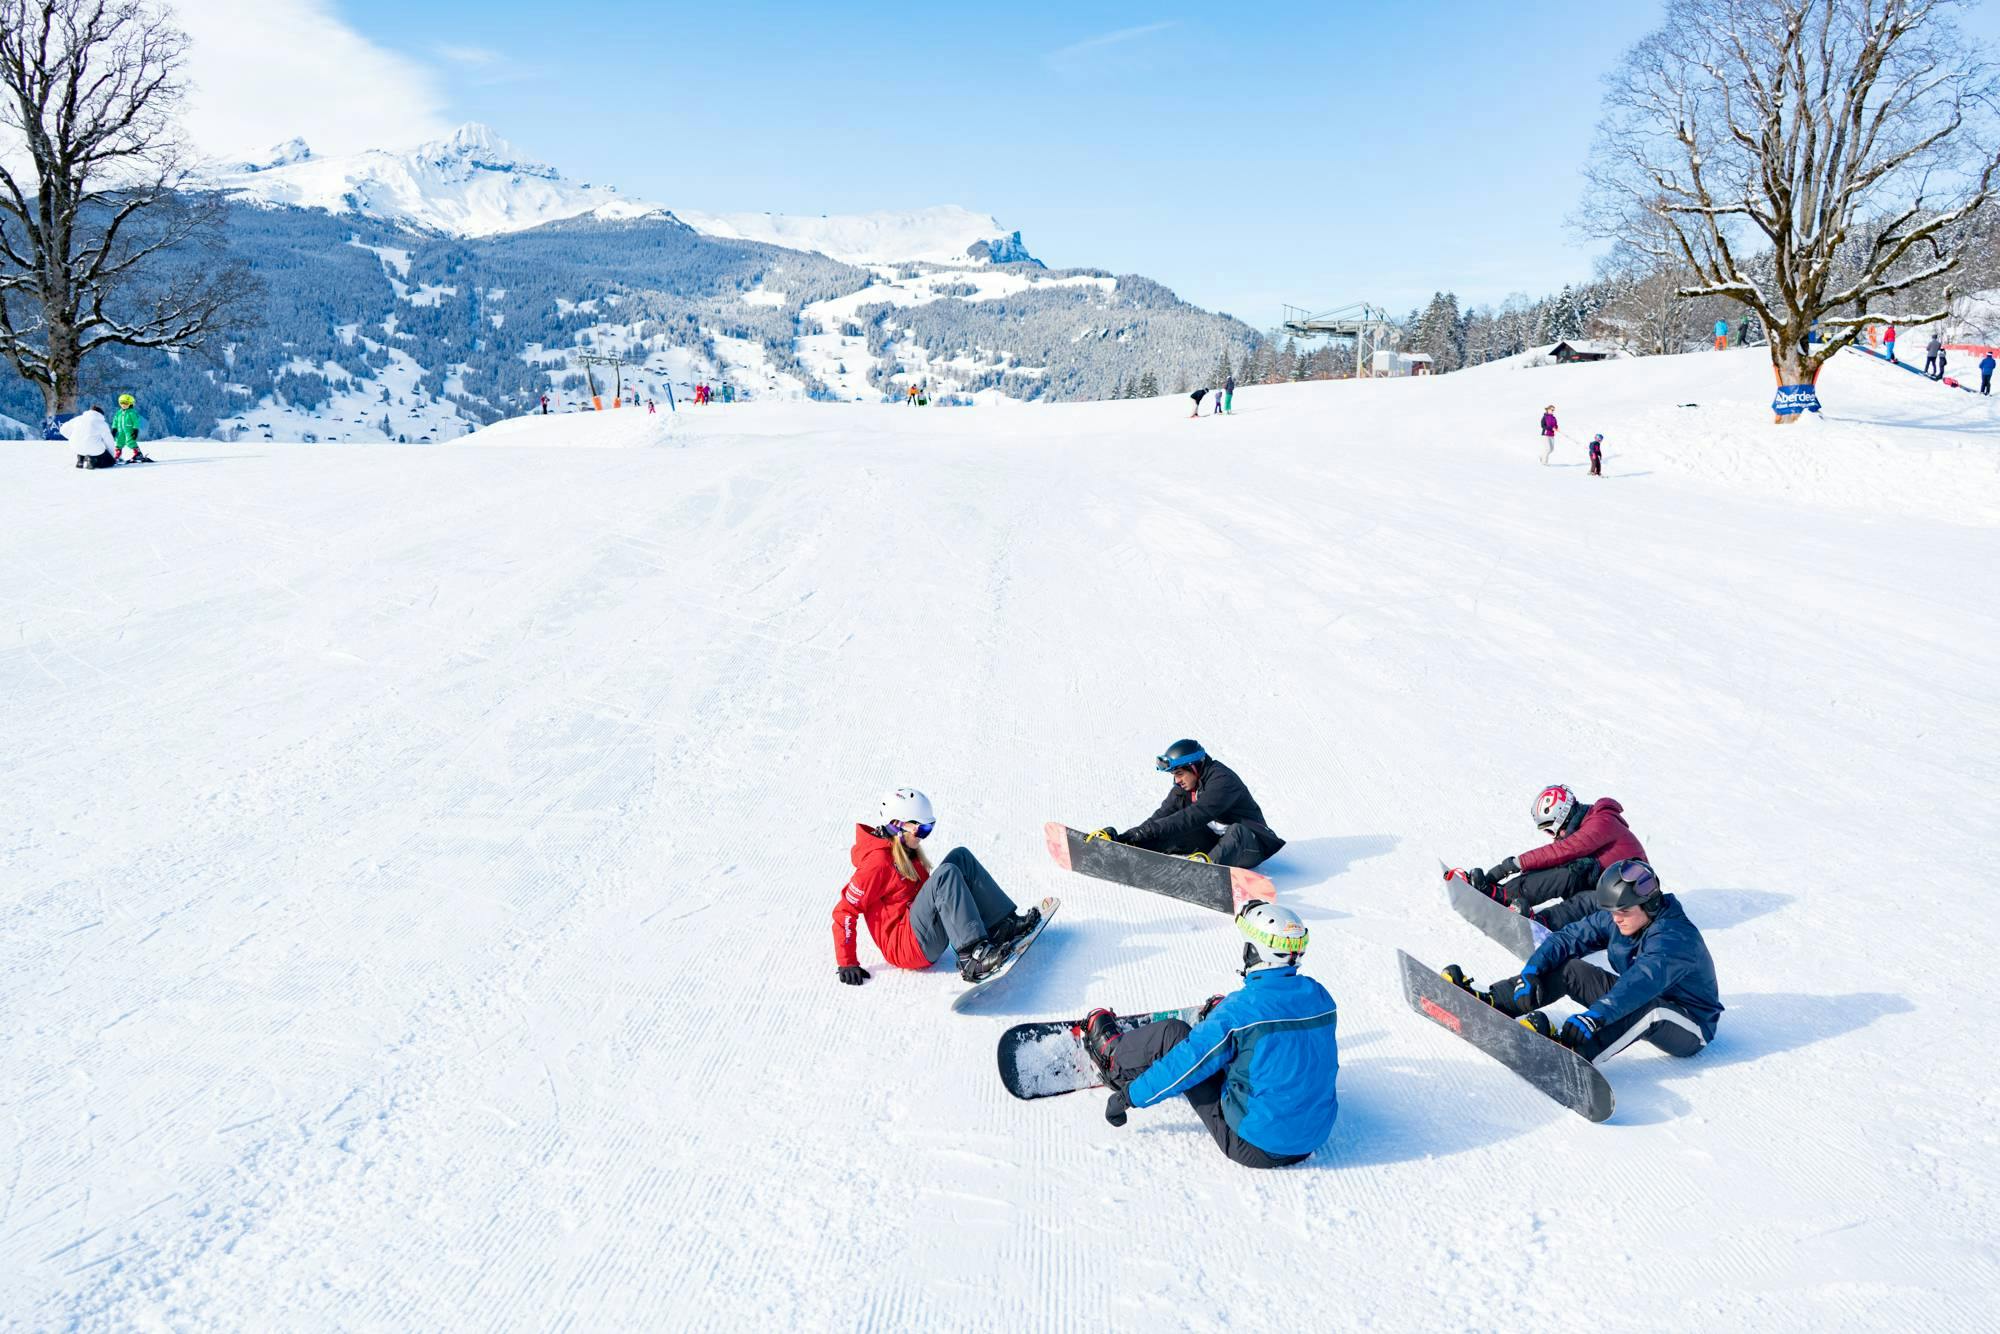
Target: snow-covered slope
<point>414,893</point>
<point>944,235</point>
<point>472,184</point>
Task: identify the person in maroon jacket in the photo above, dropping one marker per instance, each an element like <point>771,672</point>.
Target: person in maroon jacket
<point>1585,840</point>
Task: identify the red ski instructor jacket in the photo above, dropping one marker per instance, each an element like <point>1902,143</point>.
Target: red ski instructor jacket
<point>1601,833</point>
<point>878,893</point>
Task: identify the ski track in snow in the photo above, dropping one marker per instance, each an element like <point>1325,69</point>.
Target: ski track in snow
<point>414,910</point>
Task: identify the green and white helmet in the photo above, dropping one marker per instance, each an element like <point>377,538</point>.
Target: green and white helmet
<point>1273,936</point>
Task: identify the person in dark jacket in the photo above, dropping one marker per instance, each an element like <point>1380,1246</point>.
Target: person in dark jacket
<point>1208,814</point>
<point>1986,374</point>
<point>1198,395</point>
<point>1583,841</point>
<point>1229,394</point>
<point>1258,1066</point>
<point>1597,455</point>
<point>1661,988</point>
<point>1934,357</point>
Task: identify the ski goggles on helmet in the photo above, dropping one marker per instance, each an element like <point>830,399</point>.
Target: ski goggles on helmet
<point>1166,764</point>
<point>921,830</point>
<point>1627,884</point>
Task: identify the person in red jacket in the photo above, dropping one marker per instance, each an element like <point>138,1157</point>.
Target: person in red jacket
<point>915,914</point>
<point>1584,841</point>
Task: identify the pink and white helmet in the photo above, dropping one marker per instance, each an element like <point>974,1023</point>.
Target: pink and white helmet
<point>1551,807</point>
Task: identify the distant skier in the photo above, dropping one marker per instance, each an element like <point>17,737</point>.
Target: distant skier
<point>1889,341</point>
<point>1597,455</point>
<point>1259,1067</point>
<point>1934,357</point>
<point>1721,334</point>
<point>545,405</point>
<point>729,393</point>
<point>1583,840</point>
<point>1548,433</point>
<point>1208,814</point>
<point>1743,331</point>
<point>1229,394</point>
<point>1661,988</point>
<point>652,408</point>
<point>90,435</point>
<point>1198,395</point>
<point>126,428</point>
<point>915,914</point>
<point>1986,373</point>
<point>1939,373</point>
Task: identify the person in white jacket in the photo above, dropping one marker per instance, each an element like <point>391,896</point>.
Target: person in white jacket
<point>91,435</point>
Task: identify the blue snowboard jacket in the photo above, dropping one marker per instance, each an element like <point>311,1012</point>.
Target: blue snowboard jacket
<point>1275,1038</point>
<point>1667,963</point>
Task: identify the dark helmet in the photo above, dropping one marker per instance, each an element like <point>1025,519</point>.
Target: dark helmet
<point>1630,884</point>
<point>1181,755</point>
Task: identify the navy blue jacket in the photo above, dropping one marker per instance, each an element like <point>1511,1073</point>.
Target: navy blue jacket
<point>1666,963</point>
<point>1275,1038</point>
<point>1182,822</point>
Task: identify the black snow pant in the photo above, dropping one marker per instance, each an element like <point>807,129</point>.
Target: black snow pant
<point>1933,365</point>
<point>103,459</point>
<point>1237,845</point>
<point>1574,883</point>
<point>1667,1028</point>
<point>958,906</point>
<point>1986,382</point>
<point>1134,1053</point>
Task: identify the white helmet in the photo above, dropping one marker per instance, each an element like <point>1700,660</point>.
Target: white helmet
<point>1551,807</point>
<point>1274,937</point>
<point>904,806</point>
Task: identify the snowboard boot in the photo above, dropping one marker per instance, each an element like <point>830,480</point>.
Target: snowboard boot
<point>1539,1022</point>
<point>79,461</point>
<point>979,960</point>
<point>1099,1033</point>
<point>1018,926</point>
<point>137,457</point>
<point>1455,975</point>
<point>1207,1008</point>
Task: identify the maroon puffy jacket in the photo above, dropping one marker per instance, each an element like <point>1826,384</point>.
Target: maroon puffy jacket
<point>1601,834</point>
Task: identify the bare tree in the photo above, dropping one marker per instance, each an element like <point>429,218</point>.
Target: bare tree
<point>98,231</point>
<point>1849,137</point>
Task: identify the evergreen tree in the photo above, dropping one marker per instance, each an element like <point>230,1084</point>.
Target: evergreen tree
<point>1149,385</point>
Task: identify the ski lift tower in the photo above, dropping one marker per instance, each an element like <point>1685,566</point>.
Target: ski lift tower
<point>1366,324</point>
<point>617,364</point>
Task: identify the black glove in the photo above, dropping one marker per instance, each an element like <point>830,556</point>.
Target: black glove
<point>1504,869</point>
<point>1133,837</point>
<point>853,974</point>
<point>1115,1108</point>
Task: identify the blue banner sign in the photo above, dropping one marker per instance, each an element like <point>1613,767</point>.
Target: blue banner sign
<point>1793,399</point>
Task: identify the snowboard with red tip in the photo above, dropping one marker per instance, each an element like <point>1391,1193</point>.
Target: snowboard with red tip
<point>1223,888</point>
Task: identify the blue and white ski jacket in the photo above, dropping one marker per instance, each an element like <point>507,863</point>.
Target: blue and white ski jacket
<point>1275,1037</point>
<point>1667,963</point>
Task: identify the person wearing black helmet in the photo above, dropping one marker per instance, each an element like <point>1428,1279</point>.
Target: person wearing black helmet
<point>1661,987</point>
<point>1208,814</point>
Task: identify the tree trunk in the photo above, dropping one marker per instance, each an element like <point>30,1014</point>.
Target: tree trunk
<point>1791,368</point>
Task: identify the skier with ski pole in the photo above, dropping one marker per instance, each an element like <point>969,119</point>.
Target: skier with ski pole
<point>914,913</point>
<point>1258,1066</point>
<point>1661,988</point>
<point>1208,813</point>
<point>1583,840</point>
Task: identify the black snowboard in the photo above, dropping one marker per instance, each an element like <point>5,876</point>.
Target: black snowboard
<point>1519,934</point>
<point>1223,888</point>
<point>1040,1060</point>
<point>966,999</point>
<point>1543,1062</point>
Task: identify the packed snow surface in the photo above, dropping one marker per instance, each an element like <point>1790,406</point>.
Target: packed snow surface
<point>415,891</point>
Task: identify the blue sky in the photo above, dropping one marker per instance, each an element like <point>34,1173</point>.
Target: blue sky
<point>1245,156</point>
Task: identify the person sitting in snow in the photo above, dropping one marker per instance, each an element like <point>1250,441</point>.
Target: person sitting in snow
<point>915,914</point>
<point>90,435</point>
<point>1661,988</point>
<point>1208,813</point>
<point>1584,840</point>
<point>1258,1066</point>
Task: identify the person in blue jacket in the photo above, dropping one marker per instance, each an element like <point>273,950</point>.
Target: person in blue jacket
<point>1259,1065</point>
<point>1986,374</point>
<point>1661,988</point>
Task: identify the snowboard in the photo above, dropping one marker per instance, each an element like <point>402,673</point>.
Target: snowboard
<point>1223,888</point>
<point>1518,934</point>
<point>985,985</point>
<point>1542,1062</point>
<point>1041,1060</point>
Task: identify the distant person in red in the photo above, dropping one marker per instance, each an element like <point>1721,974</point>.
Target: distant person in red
<point>545,405</point>
<point>1889,341</point>
<point>1584,841</point>
<point>915,914</point>
<point>1548,433</point>
<point>1597,455</point>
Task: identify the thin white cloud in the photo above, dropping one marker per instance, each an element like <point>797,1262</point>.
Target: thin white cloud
<point>1069,56</point>
<point>469,55</point>
<point>264,71</point>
